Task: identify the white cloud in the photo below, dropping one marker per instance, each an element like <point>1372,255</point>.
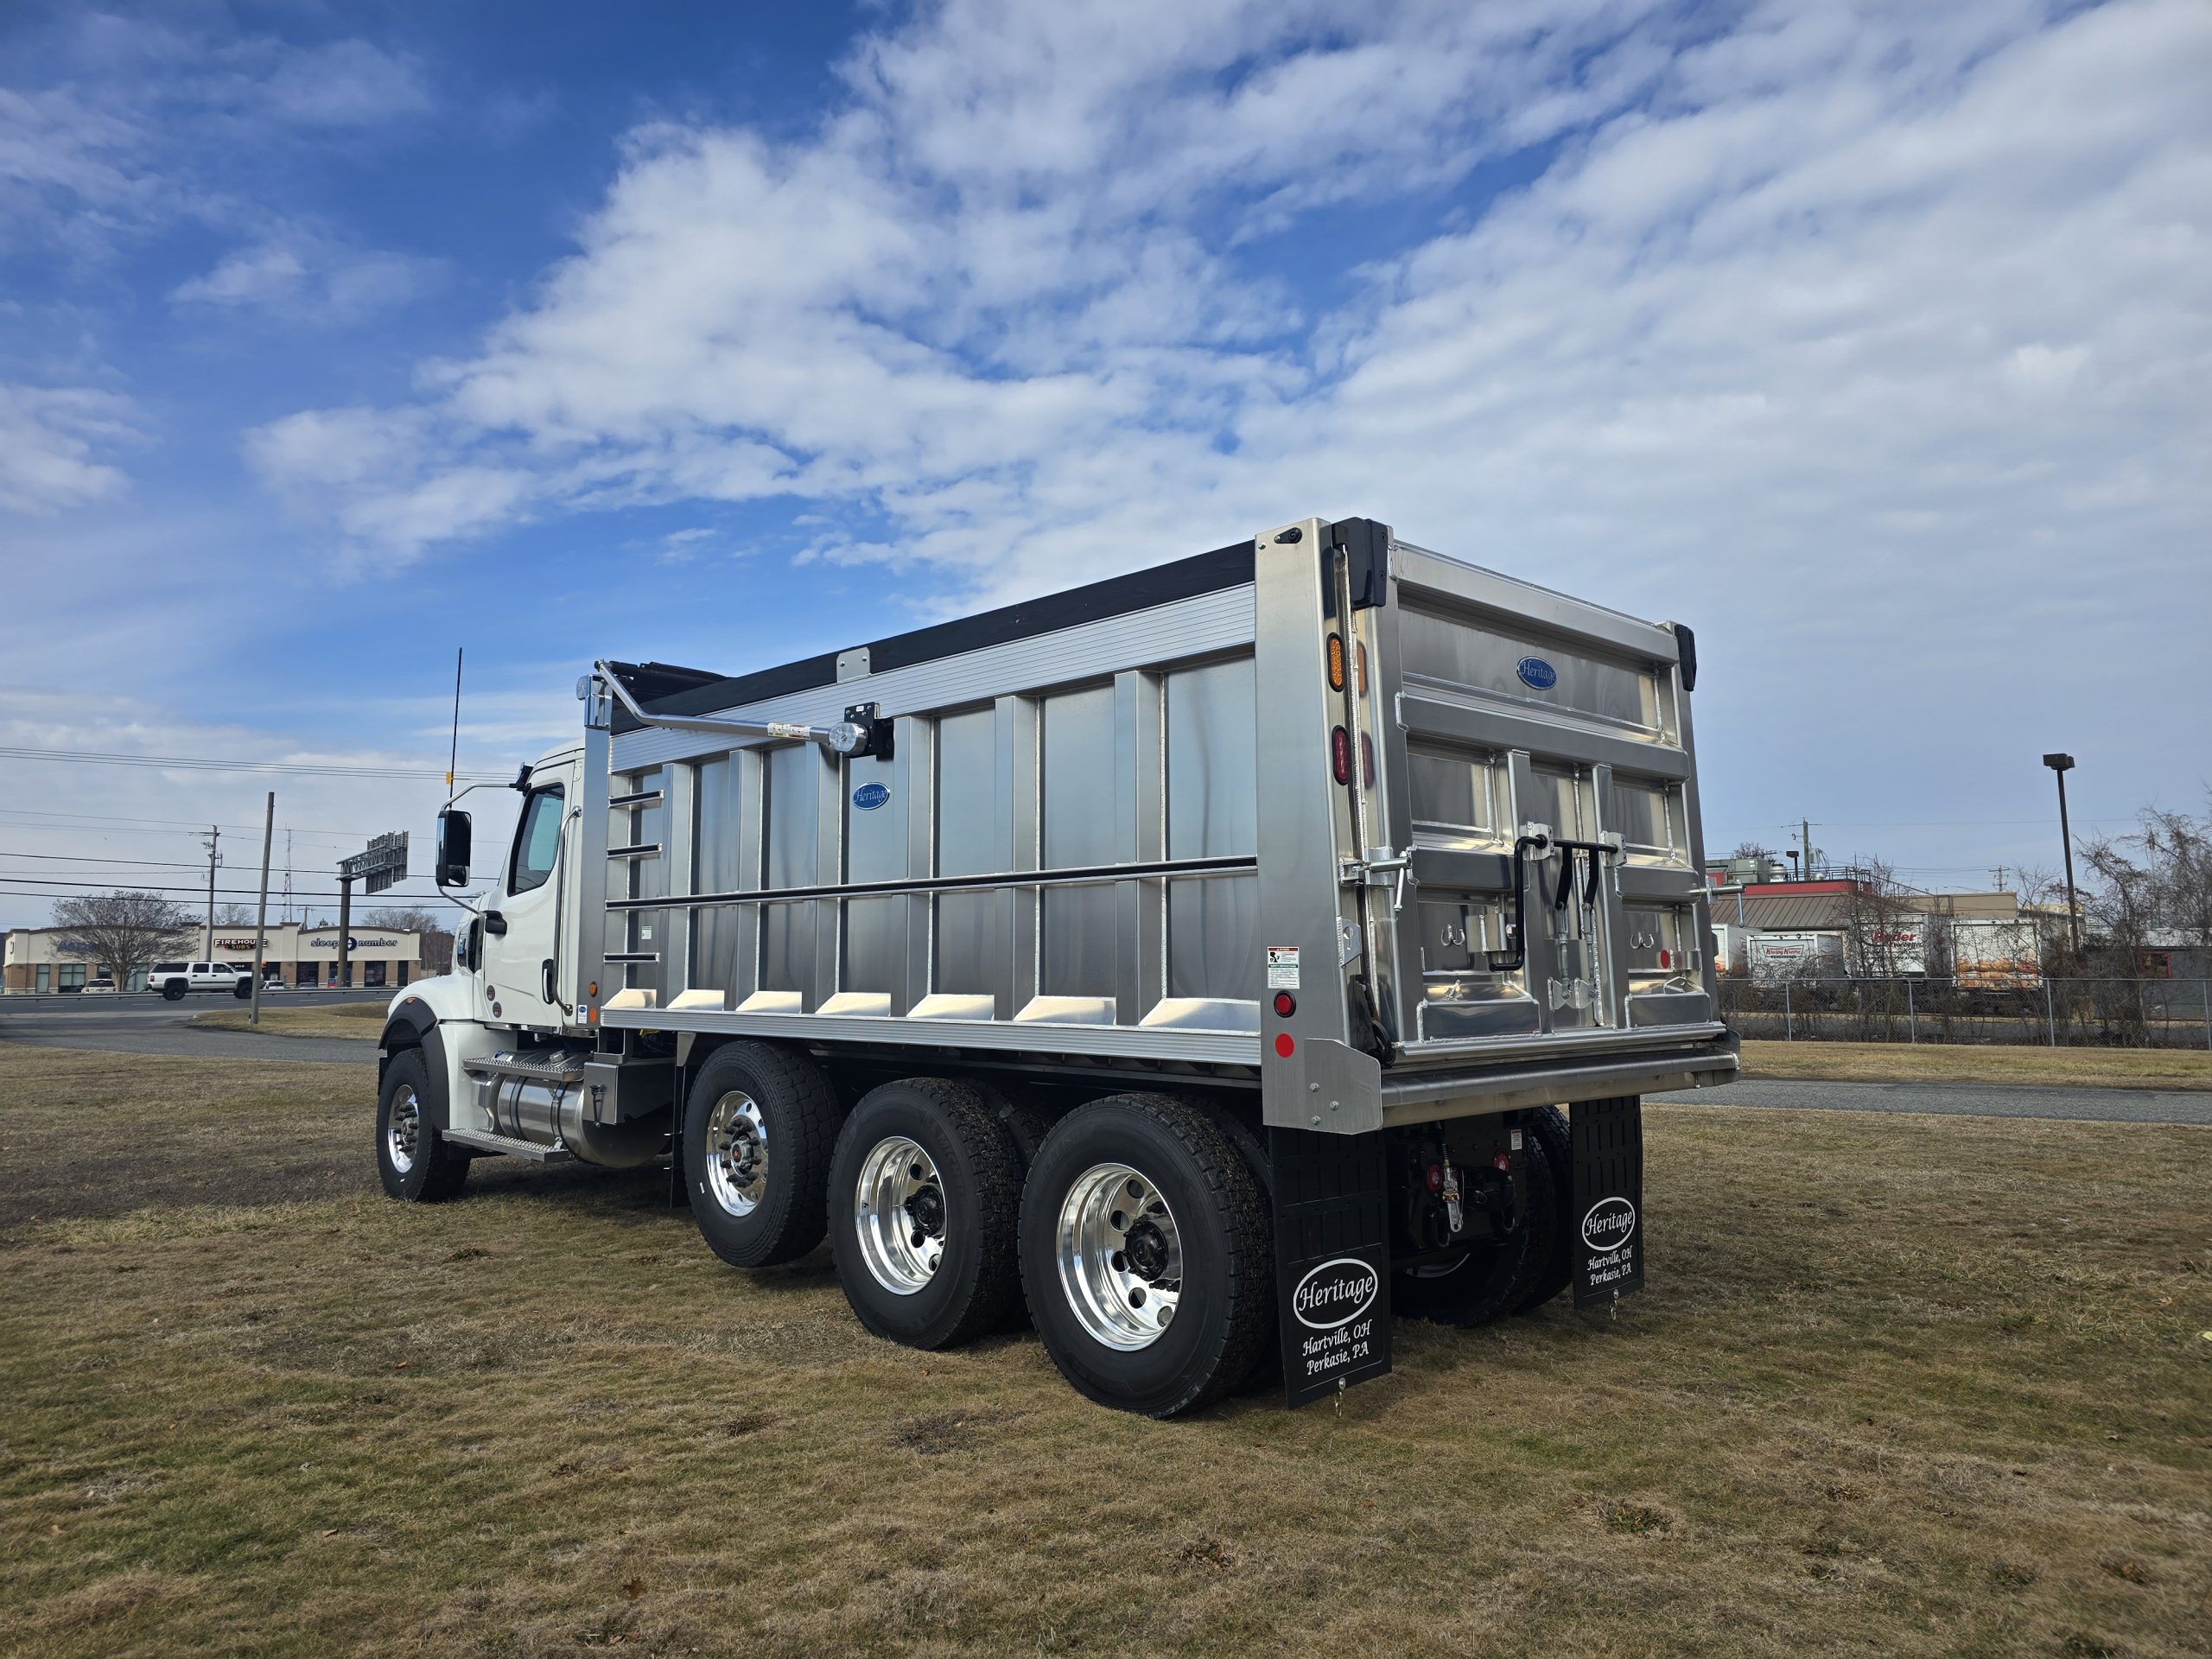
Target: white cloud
<point>51,438</point>
<point>1897,297</point>
<point>112,127</point>
<point>299,273</point>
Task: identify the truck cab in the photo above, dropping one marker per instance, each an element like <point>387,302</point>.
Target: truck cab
<point>523,947</point>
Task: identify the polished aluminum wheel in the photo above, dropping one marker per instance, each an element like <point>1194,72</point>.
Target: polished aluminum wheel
<point>402,1133</point>
<point>899,1212</point>
<point>737,1154</point>
<point>1121,1256</point>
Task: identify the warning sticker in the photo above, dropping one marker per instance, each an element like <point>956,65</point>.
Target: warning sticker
<point>1282,967</point>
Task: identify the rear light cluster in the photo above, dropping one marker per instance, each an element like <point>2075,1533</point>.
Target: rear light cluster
<point>1340,756</point>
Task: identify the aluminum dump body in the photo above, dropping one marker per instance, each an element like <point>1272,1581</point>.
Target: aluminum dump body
<point>1115,826</point>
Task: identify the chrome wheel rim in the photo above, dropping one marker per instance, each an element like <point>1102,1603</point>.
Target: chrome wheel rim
<point>899,1210</point>
<point>402,1133</point>
<point>1121,1256</point>
<point>737,1154</point>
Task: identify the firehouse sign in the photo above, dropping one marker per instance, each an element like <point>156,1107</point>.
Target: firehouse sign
<point>384,863</point>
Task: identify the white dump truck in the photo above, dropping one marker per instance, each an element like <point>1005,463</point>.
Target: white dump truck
<point>1196,962</point>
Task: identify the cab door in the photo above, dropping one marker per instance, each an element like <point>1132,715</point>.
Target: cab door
<point>523,923</point>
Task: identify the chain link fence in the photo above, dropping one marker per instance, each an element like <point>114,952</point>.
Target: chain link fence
<point>2054,1012</point>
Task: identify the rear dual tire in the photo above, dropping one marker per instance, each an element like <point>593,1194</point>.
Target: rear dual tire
<point>1147,1255</point>
<point>758,1127</point>
<point>1497,1277</point>
<point>925,1197</point>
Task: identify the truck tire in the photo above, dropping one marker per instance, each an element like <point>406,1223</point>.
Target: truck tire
<point>758,1132</point>
<point>924,1207</point>
<point>1146,1256</point>
<point>1489,1280</point>
<point>173,991</point>
<point>243,989</point>
<point>1550,1139</point>
<point>413,1159</point>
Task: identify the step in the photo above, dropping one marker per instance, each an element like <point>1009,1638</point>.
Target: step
<point>478,1141</point>
<point>561,1065</point>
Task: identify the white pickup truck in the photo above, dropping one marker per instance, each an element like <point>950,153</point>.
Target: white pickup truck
<point>173,979</point>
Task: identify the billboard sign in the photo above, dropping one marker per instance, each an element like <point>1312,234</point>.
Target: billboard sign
<point>384,863</point>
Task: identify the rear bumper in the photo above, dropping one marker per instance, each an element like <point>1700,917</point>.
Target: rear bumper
<point>1432,1094</point>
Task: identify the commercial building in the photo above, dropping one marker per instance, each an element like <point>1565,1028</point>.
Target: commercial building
<point>37,959</point>
<point>1848,925</point>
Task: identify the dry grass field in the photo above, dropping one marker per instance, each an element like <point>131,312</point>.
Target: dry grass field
<point>1900,1387</point>
<point>2079,1068</point>
<point>362,1019</point>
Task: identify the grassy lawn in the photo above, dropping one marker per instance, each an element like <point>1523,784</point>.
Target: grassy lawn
<point>362,1019</point>
<point>2093,1067</point>
<point>1935,1387</point>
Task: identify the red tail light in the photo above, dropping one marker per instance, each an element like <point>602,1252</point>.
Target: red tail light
<point>1340,755</point>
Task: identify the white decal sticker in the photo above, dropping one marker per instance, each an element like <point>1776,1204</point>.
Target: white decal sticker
<point>1282,967</point>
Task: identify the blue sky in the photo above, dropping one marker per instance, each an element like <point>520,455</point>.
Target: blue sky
<point>1872,341</point>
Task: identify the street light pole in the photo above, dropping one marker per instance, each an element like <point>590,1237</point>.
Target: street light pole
<point>2063,763</point>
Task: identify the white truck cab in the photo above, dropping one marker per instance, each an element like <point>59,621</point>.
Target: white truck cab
<point>521,950</point>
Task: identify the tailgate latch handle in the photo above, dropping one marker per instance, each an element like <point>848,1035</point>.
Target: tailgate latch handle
<point>1381,868</point>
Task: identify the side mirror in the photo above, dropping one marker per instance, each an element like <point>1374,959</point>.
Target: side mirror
<point>455,834</point>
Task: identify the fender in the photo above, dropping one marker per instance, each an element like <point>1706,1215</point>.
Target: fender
<point>416,1019</point>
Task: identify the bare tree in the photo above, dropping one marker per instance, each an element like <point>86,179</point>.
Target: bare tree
<point>401,918</point>
<point>234,915</point>
<point>437,939</point>
<point>1886,925</point>
<point>123,931</point>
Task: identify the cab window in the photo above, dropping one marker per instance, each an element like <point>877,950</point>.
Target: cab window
<point>537,840</point>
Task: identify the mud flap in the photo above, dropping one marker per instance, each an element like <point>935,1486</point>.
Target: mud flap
<point>1332,1260</point>
<point>1607,1238</point>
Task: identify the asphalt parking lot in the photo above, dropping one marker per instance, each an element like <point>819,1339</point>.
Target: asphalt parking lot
<point>1970,1099</point>
<point>139,1024</point>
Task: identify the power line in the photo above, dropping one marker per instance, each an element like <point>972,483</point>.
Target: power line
<point>104,863</point>
<point>198,889</point>
<point>196,763</point>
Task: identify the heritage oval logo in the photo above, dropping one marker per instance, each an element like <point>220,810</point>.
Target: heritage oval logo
<point>868,797</point>
<point>1609,1224</point>
<point>1537,673</point>
<point>1336,1292</point>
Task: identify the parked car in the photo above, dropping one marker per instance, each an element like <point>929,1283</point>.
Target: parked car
<point>173,979</point>
<point>101,987</point>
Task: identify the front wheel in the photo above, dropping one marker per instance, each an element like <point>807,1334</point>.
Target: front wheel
<point>413,1159</point>
<point>1146,1256</point>
<point>925,1198</point>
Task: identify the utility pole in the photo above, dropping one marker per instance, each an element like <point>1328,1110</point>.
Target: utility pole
<point>261,919</point>
<point>345,923</point>
<point>207,939</point>
<point>2063,763</point>
<point>1805,831</point>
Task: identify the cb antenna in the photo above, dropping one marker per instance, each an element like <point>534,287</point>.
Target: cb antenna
<point>453,760</point>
